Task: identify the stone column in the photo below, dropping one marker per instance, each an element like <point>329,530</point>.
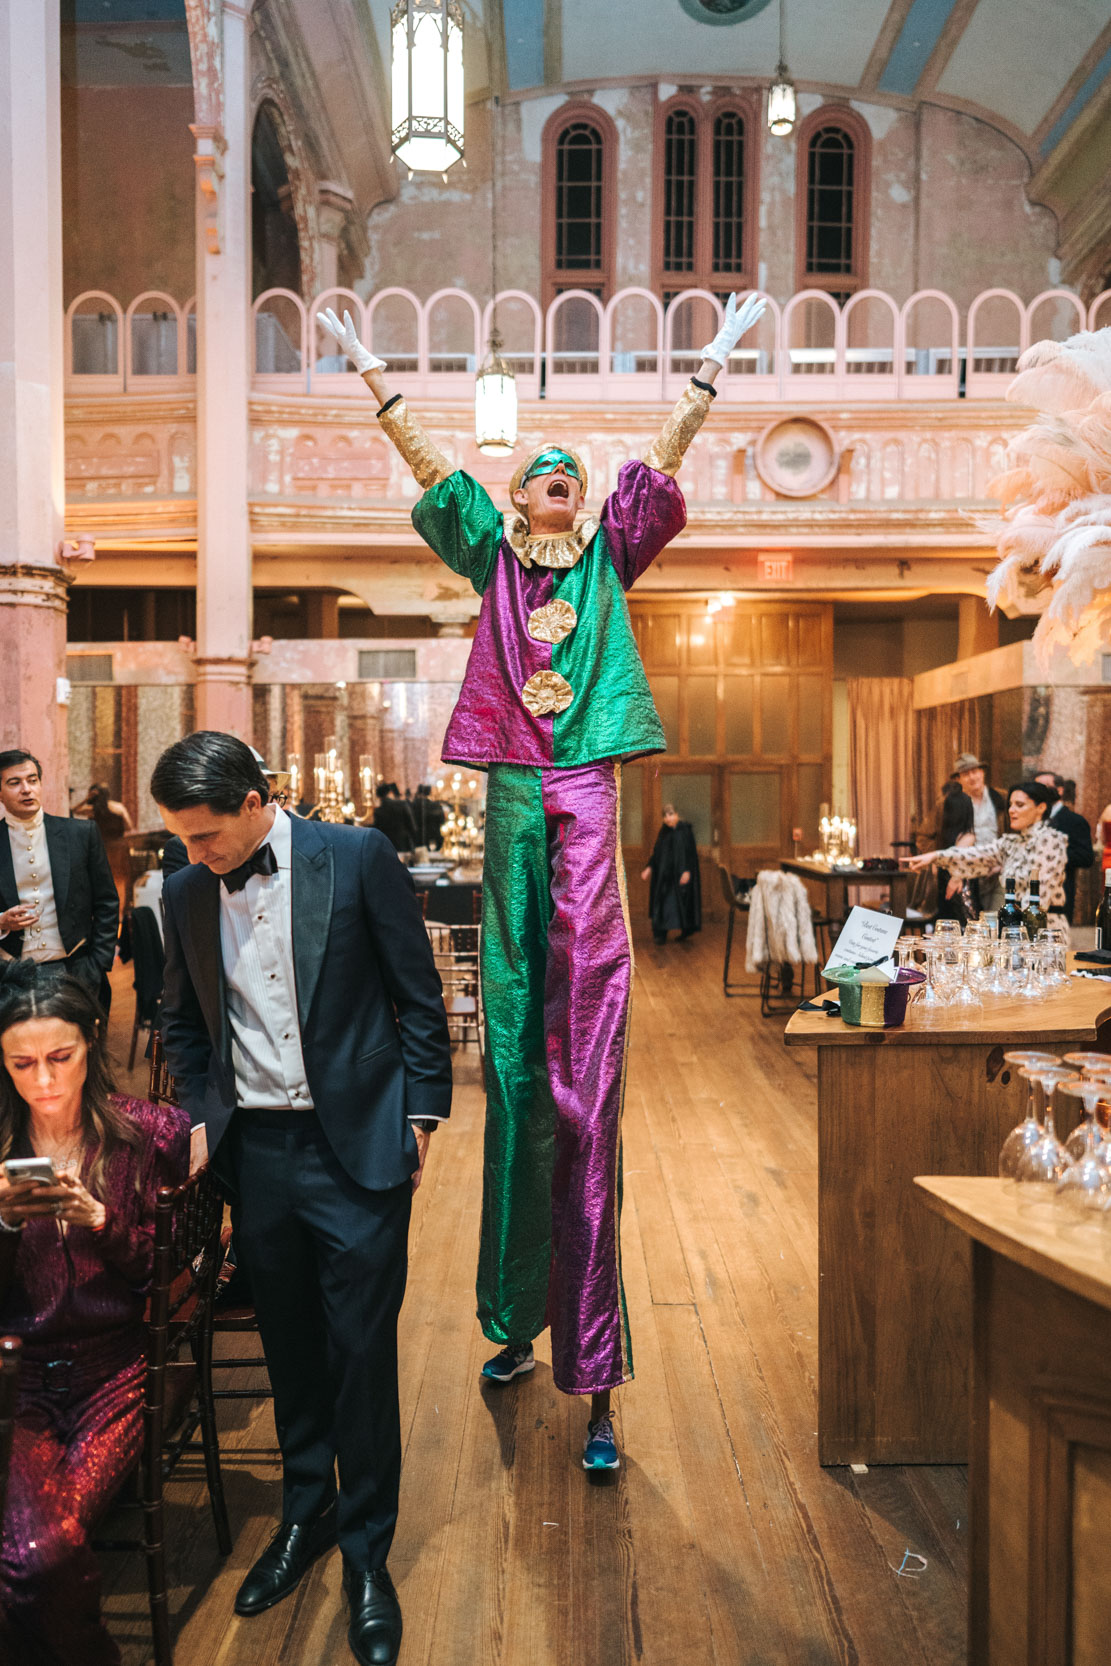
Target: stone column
<point>223,159</point>
<point>32,476</point>
<point>334,203</point>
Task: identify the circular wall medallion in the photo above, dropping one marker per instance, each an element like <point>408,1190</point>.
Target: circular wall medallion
<point>797,457</point>
<point>723,11</point>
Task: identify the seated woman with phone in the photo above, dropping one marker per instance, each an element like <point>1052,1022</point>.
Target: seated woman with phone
<point>80,1168</point>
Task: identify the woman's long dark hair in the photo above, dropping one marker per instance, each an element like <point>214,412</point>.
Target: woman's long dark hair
<point>32,991</point>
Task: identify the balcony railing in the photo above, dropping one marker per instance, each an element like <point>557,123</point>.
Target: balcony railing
<point>630,348</point>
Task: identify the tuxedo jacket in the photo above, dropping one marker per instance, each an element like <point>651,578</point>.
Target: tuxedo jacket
<point>1077,832</point>
<point>374,1033</point>
<point>84,891</point>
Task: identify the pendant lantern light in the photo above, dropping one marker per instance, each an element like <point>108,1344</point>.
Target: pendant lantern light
<point>495,389</point>
<point>495,403</point>
<point>782,103</point>
<point>427,49</point>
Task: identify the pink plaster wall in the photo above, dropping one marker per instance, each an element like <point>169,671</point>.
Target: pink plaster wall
<point>948,206</point>
<point>127,190</point>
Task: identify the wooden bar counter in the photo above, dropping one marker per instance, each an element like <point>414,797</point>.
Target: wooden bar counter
<point>1040,1461</point>
<point>894,1303</point>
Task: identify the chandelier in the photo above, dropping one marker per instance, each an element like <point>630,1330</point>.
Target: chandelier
<point>427,48</point>
<point>782,103</point>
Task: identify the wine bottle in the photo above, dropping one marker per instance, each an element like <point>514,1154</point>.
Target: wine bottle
<point>1033,915</point>
<point>1103,915</point>
<point>1010,914</point>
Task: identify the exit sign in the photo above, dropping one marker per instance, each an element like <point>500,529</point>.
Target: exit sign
<point>777,569</point>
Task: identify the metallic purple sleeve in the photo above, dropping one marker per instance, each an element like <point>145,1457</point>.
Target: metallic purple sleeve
<point>640,518</point>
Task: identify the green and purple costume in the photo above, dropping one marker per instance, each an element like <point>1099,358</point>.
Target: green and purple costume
<point>554,698</point>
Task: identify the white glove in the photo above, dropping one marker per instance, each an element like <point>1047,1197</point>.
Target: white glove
<point>349,341</point>
<point>734,327</point>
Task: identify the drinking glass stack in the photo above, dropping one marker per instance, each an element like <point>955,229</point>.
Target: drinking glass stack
<point>1065,1185</point>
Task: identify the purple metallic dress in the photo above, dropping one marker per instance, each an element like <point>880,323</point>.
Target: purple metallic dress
<point>77,1300</point>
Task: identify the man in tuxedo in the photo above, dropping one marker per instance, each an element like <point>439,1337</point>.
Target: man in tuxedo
<point>58,900</point>
<point>304,1024</point>
<point>1076,831</point>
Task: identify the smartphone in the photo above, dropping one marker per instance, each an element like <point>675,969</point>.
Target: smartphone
<point>38,1169</point>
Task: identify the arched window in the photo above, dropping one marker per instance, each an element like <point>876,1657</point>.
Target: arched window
<point>680,190</point>
<point>578,164</point>
<point>833,158</point>
<point>704,191</point>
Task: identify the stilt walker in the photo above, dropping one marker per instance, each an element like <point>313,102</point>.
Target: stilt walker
<point>554,699</point>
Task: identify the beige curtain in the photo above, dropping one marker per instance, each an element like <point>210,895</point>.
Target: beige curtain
<point>941,734</point>
<point>881,760</point>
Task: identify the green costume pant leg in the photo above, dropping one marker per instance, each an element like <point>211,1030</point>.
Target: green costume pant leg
<point>515,1244</point>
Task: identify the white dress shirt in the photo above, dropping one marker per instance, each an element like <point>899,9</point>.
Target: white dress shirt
<point>31,861</point>
<point>985,819</point>
<point>256,942</point>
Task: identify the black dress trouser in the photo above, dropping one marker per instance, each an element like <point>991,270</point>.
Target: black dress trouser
<point>327,1263</point>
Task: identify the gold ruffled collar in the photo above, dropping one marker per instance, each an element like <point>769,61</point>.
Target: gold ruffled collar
<point>552,549</point>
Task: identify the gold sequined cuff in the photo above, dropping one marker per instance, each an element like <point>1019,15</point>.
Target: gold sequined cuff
<point>668,449</point>
<point>426,460</point>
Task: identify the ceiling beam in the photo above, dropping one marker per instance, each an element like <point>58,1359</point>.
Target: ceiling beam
<point>948,41</point>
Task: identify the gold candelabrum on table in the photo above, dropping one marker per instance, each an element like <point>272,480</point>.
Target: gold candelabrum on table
<point>462,837</point>
<point>328,780</point>
<point>368,784</point>
<point>837,835</point>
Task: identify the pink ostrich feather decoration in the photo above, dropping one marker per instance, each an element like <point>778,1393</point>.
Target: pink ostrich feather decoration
<point>1055,528</point>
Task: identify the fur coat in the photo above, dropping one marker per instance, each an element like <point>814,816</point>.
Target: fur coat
<point>780,924</point>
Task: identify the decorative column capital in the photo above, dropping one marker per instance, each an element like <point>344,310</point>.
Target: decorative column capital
<point>208,159</point>
<point>22,585</point>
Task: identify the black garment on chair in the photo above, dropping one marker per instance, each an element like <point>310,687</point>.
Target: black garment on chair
<point>675,907</point>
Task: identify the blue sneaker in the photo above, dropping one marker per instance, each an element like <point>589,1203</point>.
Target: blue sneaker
<point>513,1361</point>
<point>601,1451</point>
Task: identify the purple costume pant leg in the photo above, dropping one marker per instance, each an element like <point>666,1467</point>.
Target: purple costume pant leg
<point>587,996</point>
<point>68,1461</point>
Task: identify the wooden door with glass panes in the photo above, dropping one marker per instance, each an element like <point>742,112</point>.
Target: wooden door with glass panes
<point>744,690</point>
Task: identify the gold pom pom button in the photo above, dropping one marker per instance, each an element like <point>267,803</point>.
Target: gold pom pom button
<point>552,622</point>
<point>547,692</point>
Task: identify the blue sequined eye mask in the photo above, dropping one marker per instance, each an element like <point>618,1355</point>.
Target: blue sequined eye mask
<point>549,461</point>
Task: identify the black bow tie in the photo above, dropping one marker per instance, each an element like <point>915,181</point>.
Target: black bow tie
<point>263,861</point>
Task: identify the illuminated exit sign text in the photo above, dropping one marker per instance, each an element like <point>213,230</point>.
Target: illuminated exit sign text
<point>777,569</point>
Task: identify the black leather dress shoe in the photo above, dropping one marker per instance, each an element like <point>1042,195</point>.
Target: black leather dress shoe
<point>375,1629</point>
<point>285,1561</point>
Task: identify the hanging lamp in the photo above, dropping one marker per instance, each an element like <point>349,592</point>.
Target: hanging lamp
<point>426,39</point>
<point>782,102</point>
<point>495,389</point>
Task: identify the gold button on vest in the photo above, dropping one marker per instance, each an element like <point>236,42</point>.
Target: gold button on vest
<point>547,691</point>
<point>552,622</point>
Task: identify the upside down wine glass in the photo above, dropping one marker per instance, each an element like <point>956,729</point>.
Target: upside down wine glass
<point>1030,1130</point>
<point>1085,1186</point>
<point>1044,1163</point>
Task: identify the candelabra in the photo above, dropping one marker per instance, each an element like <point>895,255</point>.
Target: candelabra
<point>328,778</point>
<point>462,837</point>
<point>838,839</point>
<point>368,782</point>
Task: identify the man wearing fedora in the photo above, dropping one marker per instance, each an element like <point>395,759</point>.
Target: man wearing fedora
<point>988,807</point>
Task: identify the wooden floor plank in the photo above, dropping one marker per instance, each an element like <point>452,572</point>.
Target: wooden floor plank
<point>721,1542</point>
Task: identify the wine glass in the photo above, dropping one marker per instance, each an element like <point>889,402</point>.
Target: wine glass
<point>1044,1163</point>
<point>937,990</point>
<point>967,994</point>
<point>1031,985</point>
<point>1030,1130</point>
<point>1085,1186</point>
<point>1054,941</point>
